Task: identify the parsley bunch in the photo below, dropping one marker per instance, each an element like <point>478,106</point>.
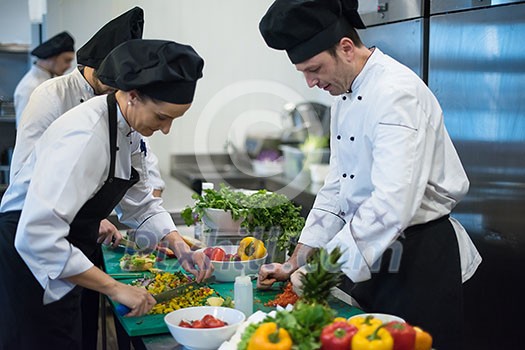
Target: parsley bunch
<point>268,216</point>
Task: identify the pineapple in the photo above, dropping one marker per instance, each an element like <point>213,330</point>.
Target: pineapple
<point>324,273</point>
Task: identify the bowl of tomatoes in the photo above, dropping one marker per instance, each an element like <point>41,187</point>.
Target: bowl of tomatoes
<point>203,327</point>
<point>228,263</point>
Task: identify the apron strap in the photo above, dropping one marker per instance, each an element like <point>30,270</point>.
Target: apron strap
<point>112,109</point>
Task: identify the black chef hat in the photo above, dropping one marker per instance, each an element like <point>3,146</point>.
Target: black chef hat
<point>62,42</point>
<point>305,28</point>
<point>125,27</point>
<point>164,70</point>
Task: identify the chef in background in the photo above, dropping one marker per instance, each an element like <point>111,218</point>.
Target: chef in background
<point>79,171</point>
<point>394,174</point>
<point>54,58</point>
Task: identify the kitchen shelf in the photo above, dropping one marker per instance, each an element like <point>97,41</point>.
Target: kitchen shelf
<point>14,48</point>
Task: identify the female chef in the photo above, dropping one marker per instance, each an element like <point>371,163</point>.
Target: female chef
<point>79,171</point>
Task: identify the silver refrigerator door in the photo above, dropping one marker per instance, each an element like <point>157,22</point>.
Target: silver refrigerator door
<point>402,41</point>
<point>477,72</point>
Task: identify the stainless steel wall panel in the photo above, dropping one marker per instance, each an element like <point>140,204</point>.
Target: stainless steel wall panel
<point>390,38</point>
<point>477,72</point>
<point>440,6</point>
<point>394,11</point>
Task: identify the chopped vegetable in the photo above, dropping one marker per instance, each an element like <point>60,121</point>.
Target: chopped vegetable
<point>208,321</point>
<point>137,262</point>
<point>167,281</point>
<point>288,296</point>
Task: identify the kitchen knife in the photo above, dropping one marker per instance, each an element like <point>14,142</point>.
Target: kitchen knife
<point>168,295</point>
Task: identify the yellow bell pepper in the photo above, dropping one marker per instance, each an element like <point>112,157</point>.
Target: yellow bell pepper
<point>269,337</point>
<point>368,322</point>
<point>368,338</point>
<point>423,339</point>
<point>251,248</point>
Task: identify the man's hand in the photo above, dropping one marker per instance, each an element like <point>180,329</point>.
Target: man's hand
<point>271,273</point>
<point>108,233</point>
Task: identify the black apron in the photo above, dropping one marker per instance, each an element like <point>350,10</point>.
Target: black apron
<point>25,323</point>
<point>426,288</point>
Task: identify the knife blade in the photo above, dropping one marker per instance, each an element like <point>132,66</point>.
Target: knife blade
<point>168,295</point>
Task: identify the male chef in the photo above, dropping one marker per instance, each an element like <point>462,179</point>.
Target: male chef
<point>394,174</point>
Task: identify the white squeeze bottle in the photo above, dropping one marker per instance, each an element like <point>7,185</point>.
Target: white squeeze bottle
<point>243,294</point>
<point>198,234</point>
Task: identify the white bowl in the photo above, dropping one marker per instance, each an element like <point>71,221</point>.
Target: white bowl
<point>266,167</point>
<point>385,318</point>
<point>203,338</point>
<point>226,271</point>
<point>221,220</point>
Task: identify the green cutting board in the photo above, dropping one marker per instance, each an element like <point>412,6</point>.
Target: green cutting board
<point>154,324</point>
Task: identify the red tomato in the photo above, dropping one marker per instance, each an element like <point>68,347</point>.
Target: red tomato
<point>208,251</point>
<point>212,322</point>
<point>185,324</point>
<point>197,324</point>
<point>218,254</point>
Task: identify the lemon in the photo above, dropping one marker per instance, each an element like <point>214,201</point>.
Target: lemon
<point>215,301</point>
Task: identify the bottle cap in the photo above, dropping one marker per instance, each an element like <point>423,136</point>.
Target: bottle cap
<point>207,186</point>
<point>243,278</point>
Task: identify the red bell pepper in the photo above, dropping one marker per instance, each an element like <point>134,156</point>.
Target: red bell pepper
<point>404,335</point>
<point>337,336</point>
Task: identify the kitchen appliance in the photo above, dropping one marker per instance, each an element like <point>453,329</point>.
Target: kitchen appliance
<point>303,119</point>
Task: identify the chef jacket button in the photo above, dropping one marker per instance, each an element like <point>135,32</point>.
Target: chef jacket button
<point>339,137</point>
<point>352,176</point>
<point>344,175</point>
<point>342,213</point>
<point>81,100</point>
<point>352,138</point>
<point>359,98</point>
<point>344,98</point>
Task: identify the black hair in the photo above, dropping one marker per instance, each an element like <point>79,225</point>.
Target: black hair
<point>352,35</point>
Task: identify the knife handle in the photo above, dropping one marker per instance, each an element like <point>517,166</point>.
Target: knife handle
<point>122,309</point>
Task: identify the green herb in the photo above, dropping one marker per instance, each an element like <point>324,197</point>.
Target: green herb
<point>247,335</point>
<point>268,216</point>
<point>304,324</point>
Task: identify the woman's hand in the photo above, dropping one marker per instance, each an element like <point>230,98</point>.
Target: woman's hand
<point>108,233</point>
<point>137,299</point>
<point>196,263</point>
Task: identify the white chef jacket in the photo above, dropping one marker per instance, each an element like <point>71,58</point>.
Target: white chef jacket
<point>392,166</point>
<point>70,163</point>
<point>36,76</point>
<point>48,102</point>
